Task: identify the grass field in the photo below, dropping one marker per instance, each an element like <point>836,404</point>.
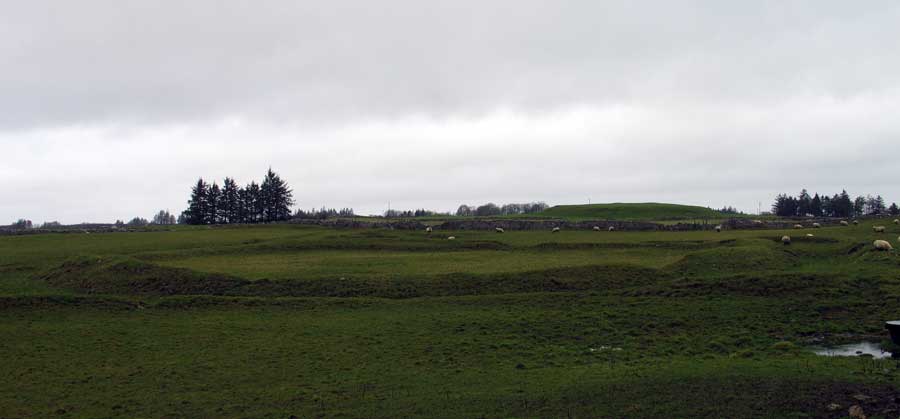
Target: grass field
<point>280,320</point>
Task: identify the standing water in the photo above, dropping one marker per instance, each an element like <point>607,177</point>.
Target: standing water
<point>853,349</point>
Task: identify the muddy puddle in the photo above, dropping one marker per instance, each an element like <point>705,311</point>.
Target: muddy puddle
<point>853,349</point>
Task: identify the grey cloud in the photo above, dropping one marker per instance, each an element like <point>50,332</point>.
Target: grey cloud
<point>439,103</point>
<point>72,62</point>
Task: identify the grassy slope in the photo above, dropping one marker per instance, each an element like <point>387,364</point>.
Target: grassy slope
<point>650,211</point>
<point>521,324</point>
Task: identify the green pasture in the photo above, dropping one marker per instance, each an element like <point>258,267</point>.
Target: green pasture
<point>279,320</point>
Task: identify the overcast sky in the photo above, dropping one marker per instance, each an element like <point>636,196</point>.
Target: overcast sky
<point>113,108</point>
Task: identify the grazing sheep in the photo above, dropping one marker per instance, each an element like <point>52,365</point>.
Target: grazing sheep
<point>428,230</point>
<point>896,221</point>
<point>718,229</point>
<point>786,239</point>
<point>810,235</point>
<point>878,229</point>
<point>611,228</point>
<point>555,230</point>
<point>844,223</point>
<point>856,222</point>
<point>882,245</point>
<point>596,228</point>
<point>451,238</point>
<point>817,225</point>
<point>798,226</point>
<point>498,230</point>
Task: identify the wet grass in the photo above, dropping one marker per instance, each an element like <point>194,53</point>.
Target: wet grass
<point>274,321</point>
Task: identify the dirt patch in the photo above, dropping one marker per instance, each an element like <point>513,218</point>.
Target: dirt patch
<point>855,248</point>
<point>836,400</point>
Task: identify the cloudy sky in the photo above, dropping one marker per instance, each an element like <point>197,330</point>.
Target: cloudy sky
<point>113,108</point>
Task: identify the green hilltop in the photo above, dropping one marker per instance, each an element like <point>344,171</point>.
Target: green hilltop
<point>631,211</point>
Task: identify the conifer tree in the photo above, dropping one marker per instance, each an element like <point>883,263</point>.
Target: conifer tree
<point>198,204</point>
<point>277,198</point>
<point>229,202</point>
<point>243,212</point>
<point>859,206</point>
<point>815,206</point>
<point>214,196</point>
<point>254,203</point>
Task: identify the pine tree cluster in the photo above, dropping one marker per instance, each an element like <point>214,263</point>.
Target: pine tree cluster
<point>839,205</point>
<point>254,203</point>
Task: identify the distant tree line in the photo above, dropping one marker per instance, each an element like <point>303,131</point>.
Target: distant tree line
<point>392,213</point>
<point>163,218</point>
<point>491,209</point>
<point>21,223</point>
<point>323,213</point>
<point>729,210</point>
<point>254,203</point>
<point>839,205</point>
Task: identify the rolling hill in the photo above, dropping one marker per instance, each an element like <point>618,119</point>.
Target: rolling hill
<point>631,211</point>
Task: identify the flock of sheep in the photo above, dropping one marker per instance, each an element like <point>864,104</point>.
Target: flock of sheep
<point>879,244</point>
<point>882,245</point>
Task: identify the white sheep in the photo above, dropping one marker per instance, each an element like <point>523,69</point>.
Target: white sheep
<point>786,239</point>
<point>428,229</point>
<point>817,225</point>
<point>555,230</point>
<point>844,223</point>
<point>882,245</point>
<point>718,229</point>
<point>878,229</point>
<point>809,235</point>
<point>498,230</point>
<point>798,226</point>
<point>896,221</point>
<point>596,228</point>
<point>856,222</point>
<point>451,238</point>
<point>611,228</point>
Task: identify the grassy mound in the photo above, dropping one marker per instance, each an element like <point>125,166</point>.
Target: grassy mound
<point>735,259</point>
<point>94,275</point>
<point>124,276</point>
<point>650,211</point>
